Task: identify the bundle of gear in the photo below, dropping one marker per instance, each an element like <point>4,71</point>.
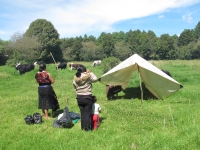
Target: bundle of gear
<point>36,118</point>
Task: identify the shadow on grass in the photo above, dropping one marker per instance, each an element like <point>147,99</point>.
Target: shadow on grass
<point>101,119</point>
<point>135,92</point>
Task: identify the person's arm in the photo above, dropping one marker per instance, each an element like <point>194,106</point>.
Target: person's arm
<point>99,109</point>
<point>51,79</point>
<point>93,76</point>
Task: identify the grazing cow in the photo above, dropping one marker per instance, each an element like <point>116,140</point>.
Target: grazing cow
<point>167,72</point>
<point>96,63</point>
<point>24,68</point>
<point>37,63</point>
<point>62,65</point>
<point>112,90</point>
<point>73,66</point>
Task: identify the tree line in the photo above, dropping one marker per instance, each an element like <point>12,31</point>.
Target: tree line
<point>41,38</point>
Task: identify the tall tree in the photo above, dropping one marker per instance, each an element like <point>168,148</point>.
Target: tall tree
<point>152,39</point>
<point>108,45</point>
<point>100,38</point>
<point>118,36</point>
<point>133,40</point>
<point>122,50</point>
<point>185,37</point>
<point>23,48</point>
<point>47,35</point>
<point>3,55</point>
<point>197,31</point>
<point>76,50</point>
<point>165,44</point>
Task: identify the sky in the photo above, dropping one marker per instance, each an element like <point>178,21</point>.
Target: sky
<point>74,18</point>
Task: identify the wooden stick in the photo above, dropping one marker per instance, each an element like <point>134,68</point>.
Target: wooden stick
<point>53,58</point>
<point>140,86</point>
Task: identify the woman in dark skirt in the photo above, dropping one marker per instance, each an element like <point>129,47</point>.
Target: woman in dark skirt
<point>46,95</point>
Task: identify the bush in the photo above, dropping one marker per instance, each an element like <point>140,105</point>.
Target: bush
<point>109,63</point>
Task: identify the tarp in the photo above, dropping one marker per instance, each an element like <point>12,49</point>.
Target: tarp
<point>156,81</point>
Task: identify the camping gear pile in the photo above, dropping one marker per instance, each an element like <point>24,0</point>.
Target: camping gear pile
<point>66,119</point>
<point>35,119</point>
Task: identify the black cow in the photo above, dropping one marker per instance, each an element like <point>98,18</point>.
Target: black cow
<point>73,66</point>
<point>24,68</point>
<point>62,65</point>
<point>167,72</point>
<point>111,91</point>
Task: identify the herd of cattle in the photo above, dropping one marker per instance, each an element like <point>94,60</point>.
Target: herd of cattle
<point>23,68</point>
<point>111,91</point>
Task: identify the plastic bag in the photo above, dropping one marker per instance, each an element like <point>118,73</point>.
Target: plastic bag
<point>37,118</point>
<point>64,121</point>
<point>29,119</point>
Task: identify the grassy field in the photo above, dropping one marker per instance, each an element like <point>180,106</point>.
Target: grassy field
<point>169,124</point>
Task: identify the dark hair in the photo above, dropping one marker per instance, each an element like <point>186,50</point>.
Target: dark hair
<point>80,70</point>
<point>42,67</point>
<point>94,98</point>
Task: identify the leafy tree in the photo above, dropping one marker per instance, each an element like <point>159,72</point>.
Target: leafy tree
<point>108,45</point>
<point>185,37</point>
<point>85,38</point>
<point>23,48</point>
<point>196,50</point>
<point>90,52</point>
<point>122,50</point>
<point>118,36</point>
<point>76,50</point>
<point>144,48</point>
<point>109,63</point>
<point>197,31</point>
<point>152,39</point>
<point>47,35</point>
<point>133,40</point>
<point>100,38</point>
<point>184,52</point>
<point>173,52</point>
<point>92,38</point>
<point>3,55</point>
<point>66,47</point>
<point>66,42</point>
<point>164,45</point>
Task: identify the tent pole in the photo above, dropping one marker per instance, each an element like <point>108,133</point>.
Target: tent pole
<point>140,86</point>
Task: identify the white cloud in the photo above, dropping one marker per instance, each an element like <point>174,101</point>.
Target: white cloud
<point>161,16</point>
<point>74,18</point>
<point>187,17</point>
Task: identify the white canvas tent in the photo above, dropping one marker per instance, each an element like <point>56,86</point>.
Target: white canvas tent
<point>156,81</point>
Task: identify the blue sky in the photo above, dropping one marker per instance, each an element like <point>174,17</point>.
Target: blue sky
<point>73,18</point>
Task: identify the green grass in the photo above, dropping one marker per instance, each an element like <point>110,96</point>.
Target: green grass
<point>172,123</point>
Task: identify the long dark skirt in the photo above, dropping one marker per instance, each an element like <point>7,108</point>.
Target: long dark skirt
<point>47,98</point>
